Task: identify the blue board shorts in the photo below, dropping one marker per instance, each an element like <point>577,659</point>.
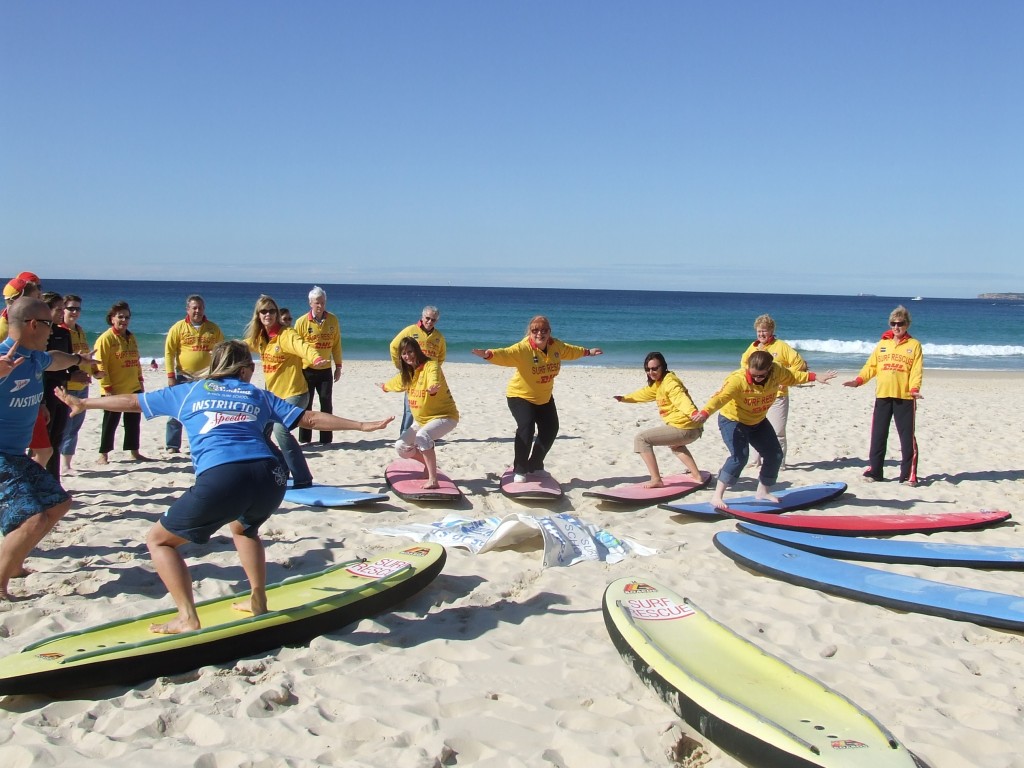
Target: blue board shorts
<point>26,489</point>
<point>246,491</point>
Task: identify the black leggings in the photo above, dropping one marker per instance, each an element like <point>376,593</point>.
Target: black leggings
<point>321,383</point>
<point>531,419</point>
<point>902,412</point>
<point>132,424</point>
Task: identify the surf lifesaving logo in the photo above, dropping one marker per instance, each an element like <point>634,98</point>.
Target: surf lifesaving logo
<point>417,551</point>
<point>378,569</point>
<point>848,744</point>
<point>635,587</point>
<point>657,609</point>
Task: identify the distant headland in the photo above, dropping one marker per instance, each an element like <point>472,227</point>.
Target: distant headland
<point>1002,296</point>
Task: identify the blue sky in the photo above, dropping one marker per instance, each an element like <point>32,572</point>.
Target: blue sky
<point>795,147</point>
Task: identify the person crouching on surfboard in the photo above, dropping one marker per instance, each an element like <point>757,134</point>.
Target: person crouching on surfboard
<point>430,401</point>
<point>674,407</point>
<point>744,398</point>
<point>240,476</point>
<point>537,360</point>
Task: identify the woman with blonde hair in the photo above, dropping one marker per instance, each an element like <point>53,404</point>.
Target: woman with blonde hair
<point>240,480</point>
<point>537,359</point>
<point>282,353</point>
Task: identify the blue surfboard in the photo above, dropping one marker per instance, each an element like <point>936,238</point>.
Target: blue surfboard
<point>871,585</point>
<point>893,550</point>
<point>790,499</point>
<point>331,496</point>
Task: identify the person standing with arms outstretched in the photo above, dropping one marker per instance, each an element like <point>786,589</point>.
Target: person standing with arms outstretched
<point>744,399</point>
<point>897,364</point>
<point>321,330</point>
<point>537,360</point>
<point>430,340</point>
<point>187,351</point>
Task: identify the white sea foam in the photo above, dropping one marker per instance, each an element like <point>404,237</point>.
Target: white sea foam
<point>837,347</point>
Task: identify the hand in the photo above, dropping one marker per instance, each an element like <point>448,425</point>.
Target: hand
<point>86,358</point>
<point>337,373</point>
<point>617,397</point>
<point>852,383</point>
<point>596,351</point>
<point>699,417</point>
<point>79,377</point>
<point>373,426</point>
<point>917,396</point>
<point>826,377</point>
<point>74,404</point>
<point>433,390</point>
<point>9,361</point>
<point>486,354</point>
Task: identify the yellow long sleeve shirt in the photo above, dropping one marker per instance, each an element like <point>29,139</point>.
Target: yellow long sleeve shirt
<point>433,344</point>
<point>781,353</point>
<point>899,368</point>
<point>674,404</point>
<point>118,369</point>
<point>536,369</point>
<point>79,345</point>
<point>187,349</point>
<point>324,337</point>
<point>742,399</point>
<point>284,357</point>
<point>426,407</point>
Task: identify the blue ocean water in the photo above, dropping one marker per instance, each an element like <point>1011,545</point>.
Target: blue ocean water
<point>693,330</point>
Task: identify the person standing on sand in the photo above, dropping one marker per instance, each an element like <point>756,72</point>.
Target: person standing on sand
<point>744,398</point>
<point>537,360</point>
<point>78,384</point>
<point>674,407</point>
<point>430,340</point>
<point>320,330</point>
<point>240,477</point>
<point>787,357</point>
<point>897,363</point>
<point>119,371</point>
<point>31,499</point>
<point>187,350</point>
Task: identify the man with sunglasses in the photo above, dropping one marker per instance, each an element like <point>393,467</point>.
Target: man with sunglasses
<point>31,499</point>
<point>897,364</point>
<point>744,400</point>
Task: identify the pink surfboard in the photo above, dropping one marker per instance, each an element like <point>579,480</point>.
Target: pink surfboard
<point>676,486</point>
<point>406,478</point>
<point>539,486</point>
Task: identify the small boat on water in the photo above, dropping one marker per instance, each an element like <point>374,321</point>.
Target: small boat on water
<point>918,298</point>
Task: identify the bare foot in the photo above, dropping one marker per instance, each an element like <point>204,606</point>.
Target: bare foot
<point>103,459</point>
<point>6,597</point>
<point>139,457</point>
<point>430,485</point>
<point>254,606</point>
<point>654,484</point>
<point>718,503</point>
<point>174,627</point>
<point>22,573</point>
<point>767,497</point>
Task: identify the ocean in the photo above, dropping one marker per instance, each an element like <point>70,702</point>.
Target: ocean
<point>693,330</point>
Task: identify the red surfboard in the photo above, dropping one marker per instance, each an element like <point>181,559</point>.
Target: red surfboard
<point>676,486</point>
<point>538,486</point>
<point>875,525</point>
<point>406,478</point>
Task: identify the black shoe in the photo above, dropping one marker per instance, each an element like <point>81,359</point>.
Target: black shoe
<point>307,484</point>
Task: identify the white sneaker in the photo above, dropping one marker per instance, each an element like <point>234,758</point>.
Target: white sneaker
<point>517,478</point>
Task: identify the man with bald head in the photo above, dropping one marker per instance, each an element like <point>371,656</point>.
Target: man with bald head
<point>31,499</point>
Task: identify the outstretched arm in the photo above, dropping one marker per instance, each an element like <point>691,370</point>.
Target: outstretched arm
<point>328,422</point>
<point>118,403</point>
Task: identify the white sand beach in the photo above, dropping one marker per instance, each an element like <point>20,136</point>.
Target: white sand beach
<point>501,662</point>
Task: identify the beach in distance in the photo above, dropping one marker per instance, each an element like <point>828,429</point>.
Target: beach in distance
<point>502,662</point>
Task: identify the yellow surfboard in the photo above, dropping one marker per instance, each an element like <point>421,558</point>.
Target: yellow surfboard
<point>749,703</point>
<point>303,607</point>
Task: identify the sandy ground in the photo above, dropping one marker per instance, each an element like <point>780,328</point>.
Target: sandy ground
<point>501,662</point>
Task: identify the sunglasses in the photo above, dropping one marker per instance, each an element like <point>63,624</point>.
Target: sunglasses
<point>759,377</point>
<point>540,330</point>
<point>268,311</point>
<point>72,309</point>
<point>49,323</point>
<point>897,324</point>
<point>654,369</point>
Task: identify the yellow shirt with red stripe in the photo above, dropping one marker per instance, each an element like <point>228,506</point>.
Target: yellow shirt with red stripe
<point>188,349</point>
<point>79,345</point>
<point>284,356</point>
<point>433,344</point>
<point>674,403</point>
<point>426,407</point>
<point>898,366</point>
<point>324,337</point>
<point>781,353</point>
<point>742,399</point>
<point>117,369</point>
<point>536,368</point>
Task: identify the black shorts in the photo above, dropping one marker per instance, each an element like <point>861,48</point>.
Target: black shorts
<point>246,491</point>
